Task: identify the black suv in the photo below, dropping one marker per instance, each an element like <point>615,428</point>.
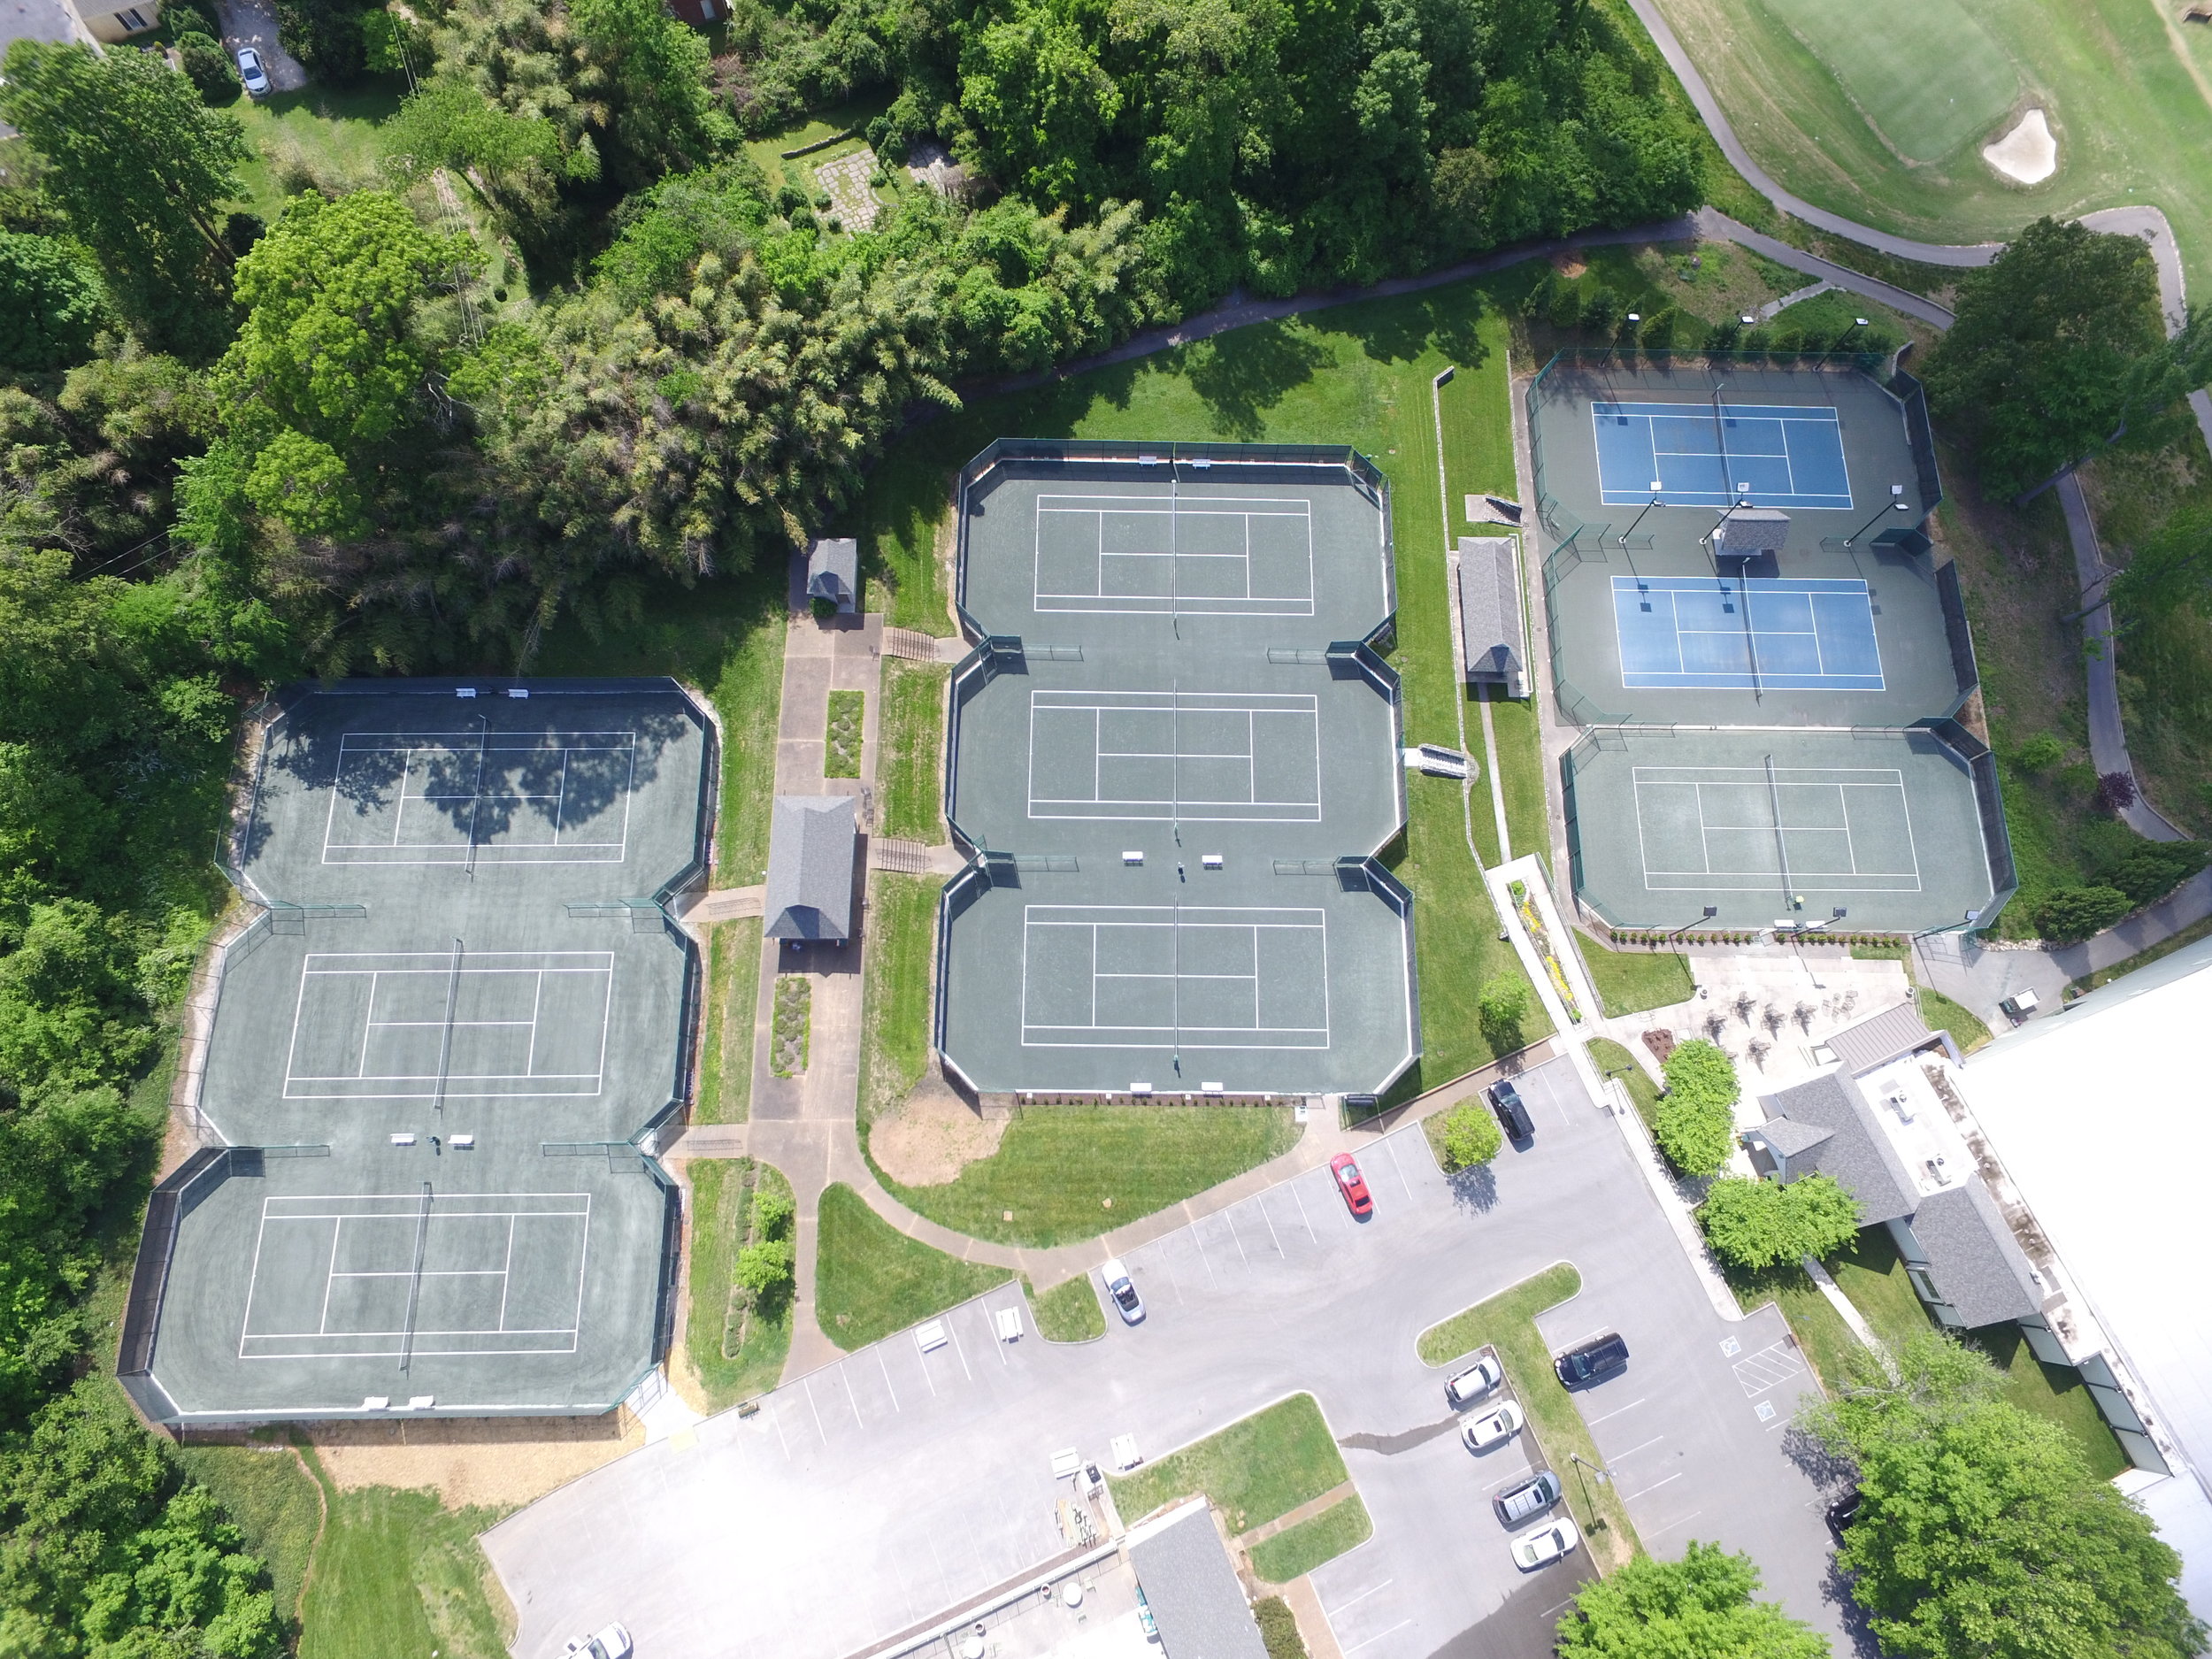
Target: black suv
<point>1513,1118</point>
<point>1592,1361</point>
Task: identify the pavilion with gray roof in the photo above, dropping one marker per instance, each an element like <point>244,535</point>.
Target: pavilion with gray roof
<point>1490,613</point>
<point>810,848</point>
<point>1185,1578</point>
<point>832,571</point>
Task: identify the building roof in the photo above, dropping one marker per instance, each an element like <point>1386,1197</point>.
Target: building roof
<point>1857,1155</point>
<point>1879,1038</point>
<point>1791,1138</point>
<point>2098,1116</point>
<point>1192,1590</point>
<point>1977,1264</point>
<point>832,570</point>
<point>809,891</point>
<point>1490,611</point>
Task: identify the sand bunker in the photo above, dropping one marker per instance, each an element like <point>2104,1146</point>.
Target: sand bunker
<point>932,1135</point>
<point>2028,154</point>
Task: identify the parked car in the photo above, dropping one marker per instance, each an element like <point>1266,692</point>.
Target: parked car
<point>1352,1185</point>
<point>610,1643</point>
<point>1513,1118</point>
<point>1494,1430</point>
<point>1532,1496</point>
<point>1592,1361</point>
<point>1844,1510</point>
<point>1122,1292</point>
<point>1476,1381</point>
<point>257,80</point>
<point>1546,1544</point>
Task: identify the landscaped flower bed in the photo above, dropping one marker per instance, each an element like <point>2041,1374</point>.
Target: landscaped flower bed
<point>1534,921</point>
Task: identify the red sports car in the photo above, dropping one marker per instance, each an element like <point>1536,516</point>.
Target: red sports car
<point>1352,1185</point>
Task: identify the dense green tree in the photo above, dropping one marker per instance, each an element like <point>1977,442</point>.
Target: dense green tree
<point>2037,371</point>
<point>2172,569</point>
<point>50,305</point>
<point>1699,1606</point>
<point>1500,1005</point>
<point>141,167</point>
<point>2067,914</point>
<point>1695,1124</point>
<point>208,66</point>
<point>1471,1137</point>
<point>1757,1224</point>
<point>650,71</point>
<point>1981,1531</point>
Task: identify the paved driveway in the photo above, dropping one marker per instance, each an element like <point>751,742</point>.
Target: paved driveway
<point>870,1495</point>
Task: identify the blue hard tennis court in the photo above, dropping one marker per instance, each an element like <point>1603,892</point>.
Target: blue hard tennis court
<point>1722,633</point>
<point>1707,455</point>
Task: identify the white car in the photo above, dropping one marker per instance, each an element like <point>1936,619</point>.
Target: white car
<point>1122,1292</point>
<point>1476,1381</point>
<point>610,1643</point>
<point>1545,1544</point>
<point>1494,1430</point>
<point>257,80</point>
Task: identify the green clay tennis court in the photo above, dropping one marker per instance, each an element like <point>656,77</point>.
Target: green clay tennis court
<point>1172,755</point>
<point>433,1051</point>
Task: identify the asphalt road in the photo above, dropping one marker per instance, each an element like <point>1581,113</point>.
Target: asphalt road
<point>870,1495</point>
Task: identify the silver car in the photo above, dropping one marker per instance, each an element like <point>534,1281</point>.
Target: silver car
<point>1530,1497</point>
<point>1122,1292</point>
<point>250,71</point>
<point>1476,1381</point>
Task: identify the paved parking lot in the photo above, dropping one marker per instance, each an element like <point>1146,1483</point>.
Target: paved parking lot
<point>874,1493</point>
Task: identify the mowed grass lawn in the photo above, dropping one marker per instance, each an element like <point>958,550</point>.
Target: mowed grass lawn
<point>1879,109</point>
<point>1058,1166</point>
<point>735,1352</point>
<point>1635,979</point>
<point>1258,1467</point>
<point>870,1279</point>
<point>1297,1550</point>
<point>895,1005</point>
<point>910,735</point>
<point>1070,1311</point>
<point>1358,374</point>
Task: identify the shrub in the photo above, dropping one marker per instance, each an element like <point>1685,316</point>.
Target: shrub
<point>1500,1005</point>
<point>1758,1223</point>
<point>2116,791</point>
<point>2040,753</point>
<point>765,1269</point>
<point>1470,1136</point>
<point>2068,914</point>
<point>773,1212</point>
<point>208,66</point>
<point>825,610</point>
<point>2151,870</point>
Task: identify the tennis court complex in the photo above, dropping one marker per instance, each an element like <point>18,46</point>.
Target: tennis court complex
<point>434,1052</point>
<point>1171,754</point>
<point>1768,659</point>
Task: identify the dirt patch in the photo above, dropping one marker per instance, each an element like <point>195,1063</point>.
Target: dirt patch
<point>498,1462</point>
<point>1569,265</point>
<point>932,1134</point>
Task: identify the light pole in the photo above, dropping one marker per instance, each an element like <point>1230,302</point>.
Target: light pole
<point>1893,506</point>
<point>1639,518</point>
<point>1604,1477</point>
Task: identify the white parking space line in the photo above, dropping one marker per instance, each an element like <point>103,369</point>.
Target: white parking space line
<point>952,1329</point>
<point>1630,1497</point>
<point>1207,1259</point>
<point>1550,1612</point>
<point>775,1416</point>
<point>1230,1216</point>
<point>1303,1216</point>
<point>1615,1457</point>
<point>1771,1365</point>
<point>1377,1635</point>
<point>844,1375</point>
<point>1361,1596</point>
<point>1670,1525</point>
<point>1398,1169</point>
<point>808,1384</point>
<point>887,1388</point>
<point>1616,1411</point>
<point>1260,1203</point>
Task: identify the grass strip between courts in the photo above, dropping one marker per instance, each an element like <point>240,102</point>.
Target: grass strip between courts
<point>1255,1470</point>
<point>1506,1322</point>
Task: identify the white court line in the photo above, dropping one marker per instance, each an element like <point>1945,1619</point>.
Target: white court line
<point>1630,1497</point>
<point>1377,1635</point>
<point>1361,1596</point>
<point>887,1388</point>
